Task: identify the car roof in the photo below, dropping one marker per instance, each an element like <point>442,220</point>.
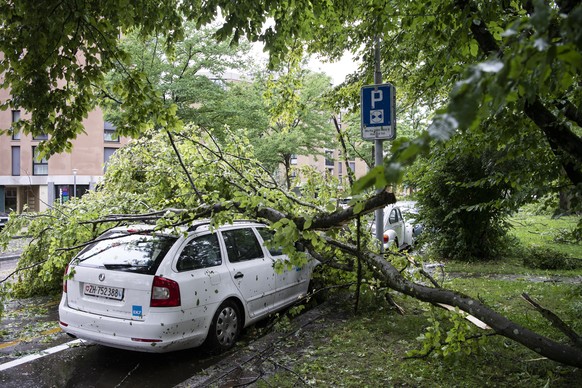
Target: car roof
<point>199,225</point>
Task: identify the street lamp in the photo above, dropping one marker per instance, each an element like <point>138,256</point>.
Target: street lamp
<point>75,182</point>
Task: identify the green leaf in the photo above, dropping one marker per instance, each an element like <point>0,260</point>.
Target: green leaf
<point>374,178</point>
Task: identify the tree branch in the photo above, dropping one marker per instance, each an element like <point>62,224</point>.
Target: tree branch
<point>564,143</point>
<point>198,194</point>
<point>544,346</point>
<point>556,321</point>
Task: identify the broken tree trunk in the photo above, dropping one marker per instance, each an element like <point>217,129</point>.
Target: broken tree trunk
<point>544,346</point>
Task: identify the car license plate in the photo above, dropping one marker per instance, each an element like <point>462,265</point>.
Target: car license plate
<point>103,291</point>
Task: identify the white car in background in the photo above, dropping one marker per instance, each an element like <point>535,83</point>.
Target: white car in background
<point>137,289</point>
<point>400,229</point>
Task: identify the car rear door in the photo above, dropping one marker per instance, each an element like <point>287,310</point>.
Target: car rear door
<point>250,269</point>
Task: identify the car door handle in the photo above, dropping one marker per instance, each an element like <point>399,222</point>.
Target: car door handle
<point>238,275</point>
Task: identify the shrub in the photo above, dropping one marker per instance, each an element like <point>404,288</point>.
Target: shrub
<point>462,206</point>
<point>548,258</point>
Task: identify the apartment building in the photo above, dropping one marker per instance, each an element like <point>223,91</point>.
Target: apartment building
<point>33,183</point>
<point>332,164</point>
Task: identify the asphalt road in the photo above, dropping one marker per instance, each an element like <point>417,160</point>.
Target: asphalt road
<point>34,352</point>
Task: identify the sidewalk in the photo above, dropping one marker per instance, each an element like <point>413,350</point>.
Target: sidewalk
<point>14,249</point>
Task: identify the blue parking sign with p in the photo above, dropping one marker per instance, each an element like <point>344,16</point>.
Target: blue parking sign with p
<point>378,112</point>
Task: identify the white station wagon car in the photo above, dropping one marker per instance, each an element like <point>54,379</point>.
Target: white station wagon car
<point>157,292</point>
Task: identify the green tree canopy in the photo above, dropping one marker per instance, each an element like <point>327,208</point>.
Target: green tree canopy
<point>191,77</point>
<point>522,57</point>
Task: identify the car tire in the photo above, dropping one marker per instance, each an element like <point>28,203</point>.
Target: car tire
<point>225,328</point>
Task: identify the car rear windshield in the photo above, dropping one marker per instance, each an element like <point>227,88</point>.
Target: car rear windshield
<point>131,252</point>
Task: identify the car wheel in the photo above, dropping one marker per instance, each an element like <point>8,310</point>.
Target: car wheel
<point>225,327</point>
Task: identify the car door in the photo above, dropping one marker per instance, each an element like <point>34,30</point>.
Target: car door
<point>204,281</point>
<point>396,223</point>
<point>251,270</point>
<point>292,281</point>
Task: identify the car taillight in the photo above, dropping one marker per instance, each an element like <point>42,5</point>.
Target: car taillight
<point>165,293</point>
<point>386,238</point>
<point>65,279</point>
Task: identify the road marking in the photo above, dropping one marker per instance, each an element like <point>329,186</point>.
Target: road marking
<point>32,357</point>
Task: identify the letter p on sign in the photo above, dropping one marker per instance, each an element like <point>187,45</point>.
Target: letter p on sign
<point>377,96</point>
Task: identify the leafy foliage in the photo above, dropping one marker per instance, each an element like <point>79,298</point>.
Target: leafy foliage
<point>464,203</point>
<point>59,233</point>
<point>448,334</point>
<point>144,177</point>
<point>56,55</point>
<point>547,258</point>
<point>284,113</point>
<point>191,77</point>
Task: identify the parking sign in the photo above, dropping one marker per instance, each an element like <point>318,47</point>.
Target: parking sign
<point>378,104</point>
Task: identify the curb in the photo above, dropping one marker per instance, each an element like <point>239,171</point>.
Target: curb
<point>9,256</point>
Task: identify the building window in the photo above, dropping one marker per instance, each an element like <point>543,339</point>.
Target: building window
<point>10,199</point>
<point>15,118</point>
<point>107,152</point>
<point>329,158</point>
<point>42,136</point>
<point>353,166</point>
<point>15,161</point>
<point>109,134</point>
<point>39,165</point>
<point>293,159</point>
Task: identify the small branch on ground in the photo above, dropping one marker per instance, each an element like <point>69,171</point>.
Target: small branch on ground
<point>429,351</point>
<point>556,321</point>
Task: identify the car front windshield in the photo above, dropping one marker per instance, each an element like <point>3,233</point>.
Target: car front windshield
<point>122,251</point>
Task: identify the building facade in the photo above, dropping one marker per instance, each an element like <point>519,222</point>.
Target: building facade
<point>33,183</point>
<point>332,164</point>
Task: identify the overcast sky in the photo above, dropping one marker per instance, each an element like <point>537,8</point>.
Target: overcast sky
<point>337,70</point>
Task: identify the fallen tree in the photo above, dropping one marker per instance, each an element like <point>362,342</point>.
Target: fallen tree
<point>229,186</point>
<point>394,279</point>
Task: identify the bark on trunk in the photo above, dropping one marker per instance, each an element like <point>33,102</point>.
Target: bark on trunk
<point>544,346</point>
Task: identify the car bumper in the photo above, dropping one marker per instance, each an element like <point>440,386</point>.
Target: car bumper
<point>156,335</point>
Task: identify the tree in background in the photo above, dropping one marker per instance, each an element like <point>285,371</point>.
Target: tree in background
<point>300,120</point>
<point>285,115</point>
<point>190,78</point>
<point>468,186</point>
<point>462,218</point>
<point>283,111</point>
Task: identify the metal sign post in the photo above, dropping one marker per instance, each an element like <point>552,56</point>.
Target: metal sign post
<point>378,110</point>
